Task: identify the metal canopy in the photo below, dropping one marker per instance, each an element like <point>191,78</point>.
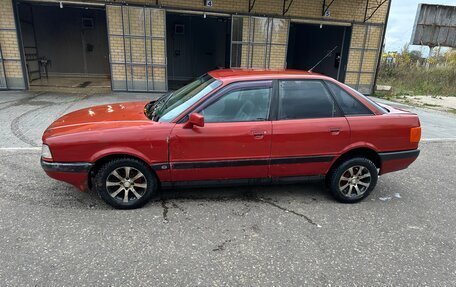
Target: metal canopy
<point>325,7</point>
<point>371,7</point>
<point>286,6</point>
<point>251,5</point>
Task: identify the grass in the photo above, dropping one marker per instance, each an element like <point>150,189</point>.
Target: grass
<point>412,80</point>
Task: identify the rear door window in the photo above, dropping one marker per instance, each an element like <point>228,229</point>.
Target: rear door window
<point>305,99</point>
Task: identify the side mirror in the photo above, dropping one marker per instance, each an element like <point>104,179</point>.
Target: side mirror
<point>195,119</point>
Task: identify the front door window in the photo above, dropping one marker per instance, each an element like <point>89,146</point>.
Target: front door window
<point>244,105</point>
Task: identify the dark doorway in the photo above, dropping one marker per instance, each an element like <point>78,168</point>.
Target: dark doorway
<point>309,43</point>
<point>64,46</point>
<point>196,44</point>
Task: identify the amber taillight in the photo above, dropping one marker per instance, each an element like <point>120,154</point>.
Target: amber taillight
<point>415,135</point>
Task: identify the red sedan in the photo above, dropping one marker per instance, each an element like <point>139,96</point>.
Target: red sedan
<point>233,127</point>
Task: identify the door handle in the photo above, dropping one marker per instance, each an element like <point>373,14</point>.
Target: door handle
<point>334,131</point>
<point>258,134</point>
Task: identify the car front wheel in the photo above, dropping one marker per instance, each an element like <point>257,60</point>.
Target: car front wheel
<point>125,183</point>
<point>353,180</point>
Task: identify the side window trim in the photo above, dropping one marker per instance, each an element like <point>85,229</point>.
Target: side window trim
<point>340,108</point>
<point>274,109</point>
<point>341,111</point>
<point>338,112</point>
<point>224,91</point>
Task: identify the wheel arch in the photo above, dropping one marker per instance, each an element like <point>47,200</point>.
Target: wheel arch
<point>97,164</point>
<point>365,152</point>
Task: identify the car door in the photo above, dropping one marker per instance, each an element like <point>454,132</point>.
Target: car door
<point>235,141</point>
<point>308,130</point>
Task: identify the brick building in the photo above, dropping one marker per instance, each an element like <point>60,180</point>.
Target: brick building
<point>155,45</point>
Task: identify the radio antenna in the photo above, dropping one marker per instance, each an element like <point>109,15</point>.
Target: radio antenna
<point>326,56</point>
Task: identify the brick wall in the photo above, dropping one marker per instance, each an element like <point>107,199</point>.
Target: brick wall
<point>139,63</point>
<point>137,49</point>
<point>263,42</point>
<point>10,48</point>
<point>364,45</point>
<point>365,41</point>
<point>363,56</point>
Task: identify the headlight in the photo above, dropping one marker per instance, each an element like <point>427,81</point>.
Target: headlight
<point>46,152</point>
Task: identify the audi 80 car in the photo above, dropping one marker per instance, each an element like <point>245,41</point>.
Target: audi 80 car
<point>233,127</point>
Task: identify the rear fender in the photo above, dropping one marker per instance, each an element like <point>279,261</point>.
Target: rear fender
<point>352,147</point>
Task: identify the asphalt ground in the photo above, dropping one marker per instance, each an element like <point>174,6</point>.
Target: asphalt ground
<point>25,115</point>
<point>291,235</point>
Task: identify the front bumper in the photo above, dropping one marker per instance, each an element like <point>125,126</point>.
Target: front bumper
<point>397,160</point>
<point>75,173</point>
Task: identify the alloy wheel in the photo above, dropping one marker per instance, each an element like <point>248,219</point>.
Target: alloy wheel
<point>355,181</point>
<point>126,184</point>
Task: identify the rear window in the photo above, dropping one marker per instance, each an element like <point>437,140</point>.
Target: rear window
<point>305,99</point>
<point>377,106</point>
<point>348,104</point>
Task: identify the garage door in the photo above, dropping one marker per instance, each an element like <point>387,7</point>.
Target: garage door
<point>137,48</point>
<point>259,42</point>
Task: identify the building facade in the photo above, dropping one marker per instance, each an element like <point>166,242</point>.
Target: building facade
<point>154,45</point>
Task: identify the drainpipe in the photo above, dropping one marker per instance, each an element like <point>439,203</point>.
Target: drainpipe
<point>381,47</point>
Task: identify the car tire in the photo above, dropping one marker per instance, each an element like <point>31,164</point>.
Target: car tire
<point>125,183</point>
<point>353,180</point>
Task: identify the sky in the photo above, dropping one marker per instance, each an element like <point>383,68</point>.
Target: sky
<point>401,20</point>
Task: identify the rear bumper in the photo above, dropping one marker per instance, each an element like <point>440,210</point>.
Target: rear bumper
<point>75,173</point>
<point>397,160</point>
<point>66,166</point>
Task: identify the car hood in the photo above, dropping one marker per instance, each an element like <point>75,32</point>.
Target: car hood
<point>120,112</point>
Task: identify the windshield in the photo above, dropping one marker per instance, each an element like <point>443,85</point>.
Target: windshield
<point>171,105</point>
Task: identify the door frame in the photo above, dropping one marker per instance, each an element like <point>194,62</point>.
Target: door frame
<point>19,34</point>
<point>222,162</point>
<point>221,92</point>
<point>344,45</point>
<point>191,13</point>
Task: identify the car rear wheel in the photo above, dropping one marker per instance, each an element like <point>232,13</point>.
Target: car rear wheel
<point>125,183</point>
<point>353,180</point>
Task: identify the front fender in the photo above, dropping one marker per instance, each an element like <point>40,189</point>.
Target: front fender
<point>120,151</point>
<point>162,174</point>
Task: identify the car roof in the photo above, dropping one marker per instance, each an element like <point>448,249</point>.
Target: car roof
<point>261,74</point>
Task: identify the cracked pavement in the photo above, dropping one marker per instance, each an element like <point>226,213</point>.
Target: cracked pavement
<point>25,115</point>
<point>289,235</point>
